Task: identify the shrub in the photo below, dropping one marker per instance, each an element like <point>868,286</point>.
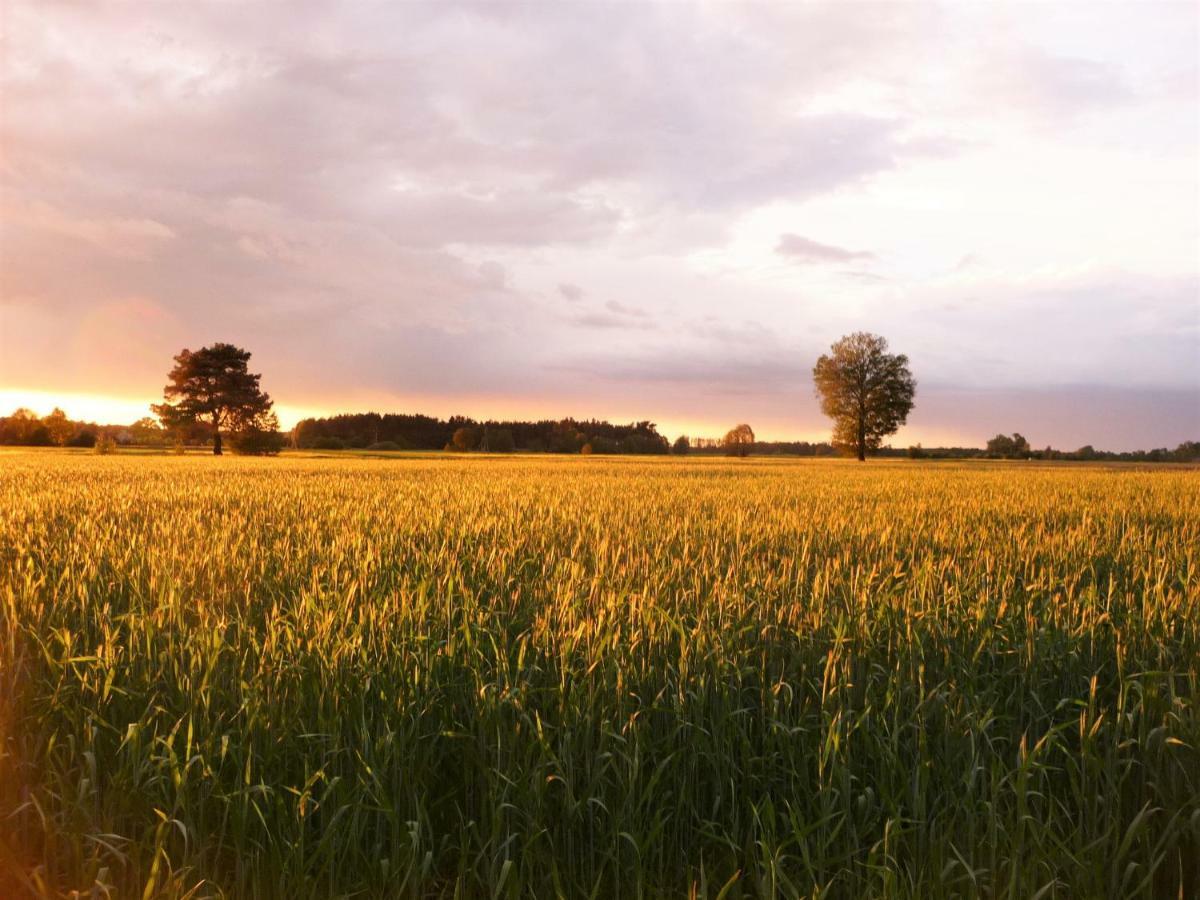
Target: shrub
<point>85,438</point>
<point>256,442</point>
<point>465,438</point>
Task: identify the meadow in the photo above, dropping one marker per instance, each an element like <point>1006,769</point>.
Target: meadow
<point>597,677</point>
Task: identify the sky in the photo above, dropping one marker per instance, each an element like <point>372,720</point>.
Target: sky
<point>622,210</point>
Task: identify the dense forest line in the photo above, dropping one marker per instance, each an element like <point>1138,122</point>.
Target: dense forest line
<point>373,431</point>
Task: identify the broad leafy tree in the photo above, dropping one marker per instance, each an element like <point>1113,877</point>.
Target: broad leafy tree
<point>59,427</point>
<point>739,440</point>
<point>213,386</point>
<point>465,438</point>
<point>867,391</point>
<point>1015,447</point>
<point>147,433</point>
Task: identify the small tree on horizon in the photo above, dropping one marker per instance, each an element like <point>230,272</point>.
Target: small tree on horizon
<point>867,391</point>
<point>1005,447</point>
<point>465,438</point>
<point>214,386</point>
<point>739,440</point>
<point>59,427</point>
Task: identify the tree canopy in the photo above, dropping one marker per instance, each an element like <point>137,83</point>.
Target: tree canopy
<point>1015,447</point>
<point>214,386</point>
<point>867,391</point>
<point>418,432</point>
<point>738,440</point>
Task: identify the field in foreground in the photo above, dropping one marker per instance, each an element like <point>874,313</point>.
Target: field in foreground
<point>580,677</point>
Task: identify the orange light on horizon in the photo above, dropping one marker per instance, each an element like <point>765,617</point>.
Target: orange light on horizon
<point>100,408</point>
<point>105,409</point>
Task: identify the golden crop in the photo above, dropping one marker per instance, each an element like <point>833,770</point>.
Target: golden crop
<point>315,677</point>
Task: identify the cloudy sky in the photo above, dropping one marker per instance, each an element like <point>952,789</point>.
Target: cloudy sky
<point>617,210</point>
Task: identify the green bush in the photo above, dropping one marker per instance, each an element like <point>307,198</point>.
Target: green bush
<point>256,442</point>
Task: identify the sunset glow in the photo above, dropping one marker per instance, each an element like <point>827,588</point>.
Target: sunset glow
<point>672,227</point>
<point>106,409</point>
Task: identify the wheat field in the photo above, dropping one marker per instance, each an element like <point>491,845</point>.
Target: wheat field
<point>589,677</point>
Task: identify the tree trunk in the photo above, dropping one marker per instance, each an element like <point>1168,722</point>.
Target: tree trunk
<point>216,443</point>
<point>862,439</point>
<point>862,452</point>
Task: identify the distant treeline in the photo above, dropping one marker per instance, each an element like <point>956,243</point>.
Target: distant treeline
<point>1188,451</point>
<point>372,431</point>
<point>1004,446</point>
<point>26,428</point>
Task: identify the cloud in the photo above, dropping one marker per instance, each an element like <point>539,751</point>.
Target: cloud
<point>728,374</point>
<point>623,310</point>
<point>614,315</point>
<point>605,320</point>
<point>862,277</point>
<point>125,237</point>
<point>1049,86</point>
<point>804,250</point>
